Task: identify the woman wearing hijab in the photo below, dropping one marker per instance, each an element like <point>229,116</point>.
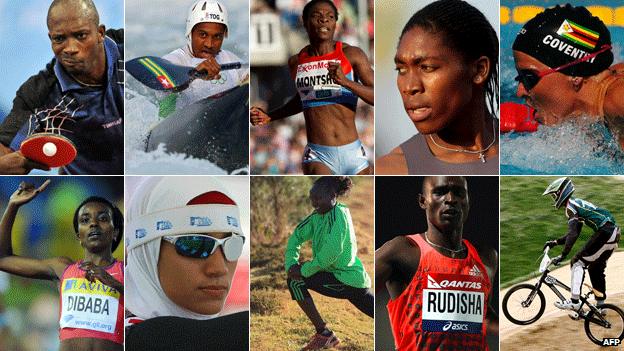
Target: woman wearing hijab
<point>183,244</point>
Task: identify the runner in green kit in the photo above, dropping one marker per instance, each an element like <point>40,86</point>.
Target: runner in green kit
<point>334,270</point>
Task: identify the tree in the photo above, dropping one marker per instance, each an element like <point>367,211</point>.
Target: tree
<point>277,205</point>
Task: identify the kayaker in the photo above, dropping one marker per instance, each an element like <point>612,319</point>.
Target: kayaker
<point>206,29</point>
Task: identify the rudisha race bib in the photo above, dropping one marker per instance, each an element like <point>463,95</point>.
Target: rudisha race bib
<point>87,305</point>
<point>453,303</point>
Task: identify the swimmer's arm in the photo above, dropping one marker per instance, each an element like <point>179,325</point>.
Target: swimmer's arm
<point>392,163</point>
<point>614,111</point>
<point>362,69</point>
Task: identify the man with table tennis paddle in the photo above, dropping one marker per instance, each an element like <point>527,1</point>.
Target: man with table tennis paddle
<point>70,114</point>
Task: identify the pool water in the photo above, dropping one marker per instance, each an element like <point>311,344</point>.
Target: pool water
<point>570,148</point>
<point>579,148</point>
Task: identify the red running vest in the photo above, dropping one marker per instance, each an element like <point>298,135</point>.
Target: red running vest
<point>444,306</point>
<point>91,310</point>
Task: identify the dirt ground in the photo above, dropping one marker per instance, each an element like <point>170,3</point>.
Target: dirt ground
<point>555,330</point>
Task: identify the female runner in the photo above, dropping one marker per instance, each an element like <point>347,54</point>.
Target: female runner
<point>92,303</point>
<point>334,270</point>
<point>329,76</point>
<point>447,76</point>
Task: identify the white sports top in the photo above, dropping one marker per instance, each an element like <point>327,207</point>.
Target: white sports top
<point>199,88</point>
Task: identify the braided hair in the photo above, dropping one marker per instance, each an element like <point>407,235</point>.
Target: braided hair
<point>467,31</point>
<point>335,185</point>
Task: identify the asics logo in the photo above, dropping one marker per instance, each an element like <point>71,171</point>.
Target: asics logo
<point>455,326</point>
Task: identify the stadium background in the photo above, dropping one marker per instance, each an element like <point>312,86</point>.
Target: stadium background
<point>44,229</point>
<point>276,33</point>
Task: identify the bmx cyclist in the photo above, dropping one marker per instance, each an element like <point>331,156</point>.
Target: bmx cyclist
<point>597,249</point>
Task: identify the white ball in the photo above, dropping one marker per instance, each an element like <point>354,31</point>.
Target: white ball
<point>49,149</point>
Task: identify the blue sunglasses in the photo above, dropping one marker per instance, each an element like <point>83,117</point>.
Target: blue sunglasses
<point>202,246</point>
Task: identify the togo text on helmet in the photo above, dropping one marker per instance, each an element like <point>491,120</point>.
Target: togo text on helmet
<point>560,190</point>
<point>205,11</point>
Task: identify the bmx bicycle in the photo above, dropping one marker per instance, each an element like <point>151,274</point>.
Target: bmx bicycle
<point>524,304</point>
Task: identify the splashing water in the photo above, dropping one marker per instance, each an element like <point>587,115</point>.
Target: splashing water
<point>142,114</point>
<point>569,148</point>
<point>152,33</point>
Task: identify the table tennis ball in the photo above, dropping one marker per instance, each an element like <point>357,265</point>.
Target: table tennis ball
<point>49,149</point>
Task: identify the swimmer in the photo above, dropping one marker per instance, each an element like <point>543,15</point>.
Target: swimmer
<point>326,73</point>
<point>564,61</point>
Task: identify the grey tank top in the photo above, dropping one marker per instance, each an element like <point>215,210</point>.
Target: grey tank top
<point>420,161</point>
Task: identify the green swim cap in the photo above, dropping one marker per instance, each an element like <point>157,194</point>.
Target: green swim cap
<point>565,34</point>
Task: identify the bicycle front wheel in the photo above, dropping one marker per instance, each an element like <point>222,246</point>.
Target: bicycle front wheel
<point>610,325</point>
<point>523,304</point>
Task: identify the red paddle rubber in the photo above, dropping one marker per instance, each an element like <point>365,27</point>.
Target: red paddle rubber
<point>61,153</point>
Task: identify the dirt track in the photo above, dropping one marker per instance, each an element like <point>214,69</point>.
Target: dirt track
<point>555,330</point>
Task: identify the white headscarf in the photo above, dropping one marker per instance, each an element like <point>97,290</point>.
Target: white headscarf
<point>158,208</point>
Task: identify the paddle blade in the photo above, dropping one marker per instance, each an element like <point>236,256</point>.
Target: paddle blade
<point>52,150</point>
<point>158,73</point>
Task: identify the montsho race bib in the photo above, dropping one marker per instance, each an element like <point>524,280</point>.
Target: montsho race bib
<point>87,305</point>
<point>313,81</point>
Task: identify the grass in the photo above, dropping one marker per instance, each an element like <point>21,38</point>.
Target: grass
<point>528,219</point>
<point>277,322</point>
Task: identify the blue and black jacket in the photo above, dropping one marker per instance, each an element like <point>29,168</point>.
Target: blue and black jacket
<point>96,124</point>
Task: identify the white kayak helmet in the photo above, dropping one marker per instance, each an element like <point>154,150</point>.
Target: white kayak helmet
<point>204,11</point>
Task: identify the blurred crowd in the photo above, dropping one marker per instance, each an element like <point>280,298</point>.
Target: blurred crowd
<point>29,309</point>
<point>277,33</point>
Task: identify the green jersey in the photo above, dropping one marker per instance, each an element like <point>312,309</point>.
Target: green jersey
<point>334,247</point>
<point>586,212</point>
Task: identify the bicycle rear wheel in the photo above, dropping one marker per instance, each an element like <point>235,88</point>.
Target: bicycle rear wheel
<point>597,332</point>
<point>523,304</point>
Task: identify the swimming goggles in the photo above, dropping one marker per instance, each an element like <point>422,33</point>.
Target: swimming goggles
<point>530,78</point>
<point>202,246</point>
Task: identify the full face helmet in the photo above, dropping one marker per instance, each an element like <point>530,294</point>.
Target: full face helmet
<point>204,11</point>
<point>560,190</point>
